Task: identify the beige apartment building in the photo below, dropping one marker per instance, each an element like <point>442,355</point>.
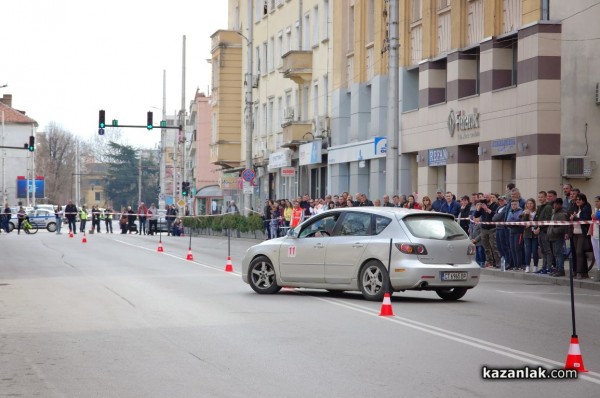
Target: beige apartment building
<point>290,82</point>
<point>490,92</point>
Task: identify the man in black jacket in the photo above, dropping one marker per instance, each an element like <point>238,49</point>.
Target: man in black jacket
<point>71,214</point>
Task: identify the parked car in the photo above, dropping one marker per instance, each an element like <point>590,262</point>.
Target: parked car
<point>350,249</point>
<point>161,225</point>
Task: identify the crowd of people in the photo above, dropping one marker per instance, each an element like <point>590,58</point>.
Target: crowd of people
<point>493,222</point>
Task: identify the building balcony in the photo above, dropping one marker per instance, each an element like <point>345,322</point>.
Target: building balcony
<point>296,133</point>
<point>297,65</point>
<point>226,154</point>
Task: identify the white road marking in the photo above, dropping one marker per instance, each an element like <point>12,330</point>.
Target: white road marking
<point>522,356</point>
<point>540,293</point>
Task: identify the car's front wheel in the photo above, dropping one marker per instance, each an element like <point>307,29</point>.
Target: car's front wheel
<point>261,276</point>
<point>51,227</point>
<point>374,281</point>
<point>451,294</point>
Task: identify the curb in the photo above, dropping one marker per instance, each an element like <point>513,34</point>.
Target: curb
<point>589,284</point>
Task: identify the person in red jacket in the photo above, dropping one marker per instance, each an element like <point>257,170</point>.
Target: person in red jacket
<point>297,215</point>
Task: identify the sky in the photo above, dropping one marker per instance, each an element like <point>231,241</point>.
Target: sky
<point>64,60</point>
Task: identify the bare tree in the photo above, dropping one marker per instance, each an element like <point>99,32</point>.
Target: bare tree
<point>97,145</point>
<point>55,160</point>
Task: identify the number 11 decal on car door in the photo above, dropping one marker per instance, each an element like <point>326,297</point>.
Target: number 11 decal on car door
<point>292,251</point>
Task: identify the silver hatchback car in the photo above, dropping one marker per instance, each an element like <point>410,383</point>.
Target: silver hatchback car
<point>373,250</point>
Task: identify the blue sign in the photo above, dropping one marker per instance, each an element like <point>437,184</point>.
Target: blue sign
<point>22,188</point>
<point>380,144</point>
<point>438,157</point>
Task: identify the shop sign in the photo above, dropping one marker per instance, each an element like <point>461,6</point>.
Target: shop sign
<point>463,123</point>
<point>507,146</point>
<point>310,153</point>
<point>229,181</point>
<point>280,159</point>
<point>357,151</point>
<point>438,157</point>
<point>288,171</point>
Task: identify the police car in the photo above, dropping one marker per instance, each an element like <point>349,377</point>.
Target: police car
<point>43,218</point>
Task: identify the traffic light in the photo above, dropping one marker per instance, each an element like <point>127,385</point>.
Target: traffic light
<point>101,119</point>
<point>31,146</point>
<point>185,188</point>
<point>149,124</point>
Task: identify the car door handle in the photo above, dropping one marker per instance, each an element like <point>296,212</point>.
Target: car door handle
<point>357,244</point>
<point>319,246</point>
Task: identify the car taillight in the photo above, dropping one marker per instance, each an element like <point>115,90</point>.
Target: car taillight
<point>471,250</point>
<point>409,248</point>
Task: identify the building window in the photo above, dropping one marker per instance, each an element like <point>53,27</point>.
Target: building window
<point>263,127</point>
<point>315,26</point>
<point>315,101</point>
<point>417,11</point>
<point>306,33</point>
<point>257,61</point>
<point>270,128</point>
<point>279,48</point>
<point>271,54</point>
<point>279,113</point>
<point>288,40</point>
<point>325,29</point>
<point>468,85</point>
<point>474,22</point>
<point>370,21</point>
<point>410,90</point>
<point>214,128</point>
<point>350,37</point>
<point>263,60</point>
<point>505,62</point>
<point>325,95</point>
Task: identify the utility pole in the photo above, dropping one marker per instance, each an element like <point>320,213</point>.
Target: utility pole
<point>4,196</point>
<point>140,179</point>
<point>393,124</point>
<point>163,133</point>
<point>182,115</point>
<point>249,105</point>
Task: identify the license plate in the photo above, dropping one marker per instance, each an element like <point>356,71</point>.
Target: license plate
<point>454,276</point>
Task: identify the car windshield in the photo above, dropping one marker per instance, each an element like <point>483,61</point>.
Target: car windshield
<point>434,227</point>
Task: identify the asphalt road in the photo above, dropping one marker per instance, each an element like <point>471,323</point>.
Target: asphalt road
<point>114,318</point>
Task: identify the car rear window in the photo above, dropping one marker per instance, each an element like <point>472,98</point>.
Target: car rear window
<point>434,227</point>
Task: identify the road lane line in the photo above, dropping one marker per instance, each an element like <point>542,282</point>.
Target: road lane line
<point>499,349</point>
<point>462,338</point>
<point>549,293</point>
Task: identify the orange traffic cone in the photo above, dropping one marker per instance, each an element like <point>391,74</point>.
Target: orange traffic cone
<point>84,239</point>
<point>386,306</point>
<point>190,256</point>
<point>160,247</point>
<point>228,266</point>
<point>574,358</point>
<point>70,233</point>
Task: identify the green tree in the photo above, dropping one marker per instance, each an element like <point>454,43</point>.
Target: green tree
<point>123,176</point>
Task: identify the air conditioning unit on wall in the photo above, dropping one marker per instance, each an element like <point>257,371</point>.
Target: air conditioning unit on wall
<point>577,167</point>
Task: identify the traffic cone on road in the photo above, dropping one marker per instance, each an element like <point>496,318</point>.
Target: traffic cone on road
<point>84,239</point>
<point>228,266</point>
<point>386,306</point>
<point>160,247</point>
<point>190,256</point>
<point>70,233</point>
<point>574,358</point>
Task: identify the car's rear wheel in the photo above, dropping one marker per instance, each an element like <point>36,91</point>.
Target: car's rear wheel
<point>261,276</point>
<point>11,226</point>
<point>51,227</point>
<point>451,294</point>
<point>374,281</point>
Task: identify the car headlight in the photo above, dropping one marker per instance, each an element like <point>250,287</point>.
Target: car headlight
<point>471,250</point>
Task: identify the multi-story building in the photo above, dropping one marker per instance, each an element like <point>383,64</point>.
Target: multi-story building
<point>490,92</point>
<point>290,81</point>
<point>480,95</point>
<point>202,172</point>
<point>17,165</point>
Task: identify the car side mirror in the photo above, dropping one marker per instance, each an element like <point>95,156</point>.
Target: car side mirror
<point>292,233</point>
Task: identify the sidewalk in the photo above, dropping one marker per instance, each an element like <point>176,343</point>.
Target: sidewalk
<point>592,284</point>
